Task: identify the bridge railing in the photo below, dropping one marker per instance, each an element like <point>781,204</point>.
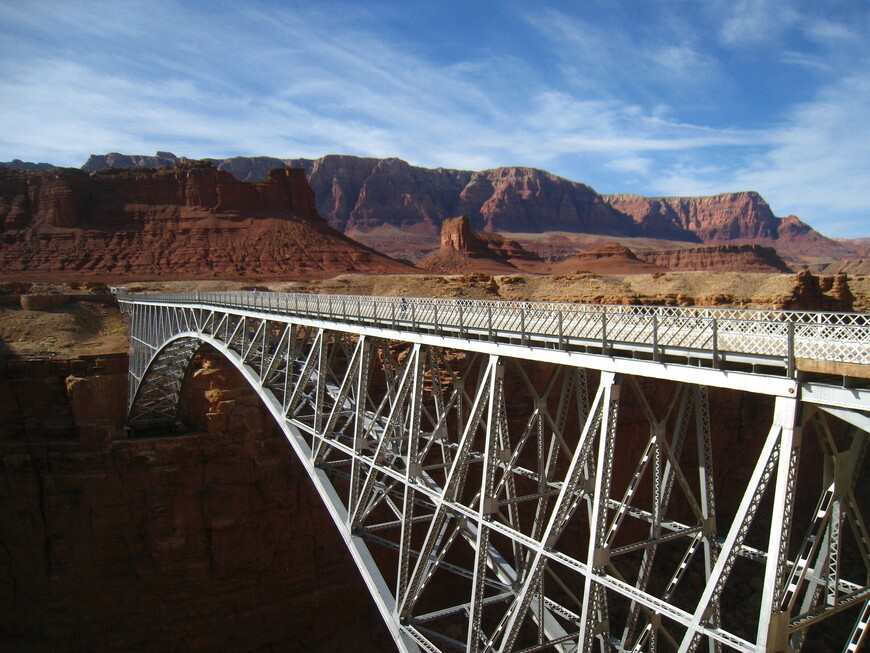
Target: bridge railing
<point>757,336</point>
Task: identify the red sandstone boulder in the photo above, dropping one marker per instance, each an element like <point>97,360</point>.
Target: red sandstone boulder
<point>812,294</point>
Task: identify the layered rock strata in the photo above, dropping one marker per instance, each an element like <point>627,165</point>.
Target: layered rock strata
<point>360,195</point>
<point>612,258</point>
<point>722,258</point>
<point>725,218</point>
<point>190,220</point>
<point>214,540</point>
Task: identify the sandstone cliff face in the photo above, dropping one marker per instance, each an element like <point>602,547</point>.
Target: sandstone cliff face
<point>728,217</point>
<point>723,258</point>
<point>529,200</point>
<point>209,541</point>
<point>358,195</point>
<point>190,220</point>
<point>361,194</point>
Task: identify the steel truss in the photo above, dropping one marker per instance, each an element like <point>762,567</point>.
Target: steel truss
<point>498,499</point>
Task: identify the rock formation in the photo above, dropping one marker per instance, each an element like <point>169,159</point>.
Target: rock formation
<point>463,251</point>
<point>211,540</point>
<point>811,293</point>
<point>361,195</point>
<point>721,258</point>
<point>18,164</point>
<point>186,221</point>
<point>611,258</point>
<point>249,168</point>
<point>725,218</point>
<point>97,162</point>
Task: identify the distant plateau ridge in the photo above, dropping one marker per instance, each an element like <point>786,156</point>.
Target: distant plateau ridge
<point>390,206</point>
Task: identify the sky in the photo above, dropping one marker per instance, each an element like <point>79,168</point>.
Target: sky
<point>652,97</point>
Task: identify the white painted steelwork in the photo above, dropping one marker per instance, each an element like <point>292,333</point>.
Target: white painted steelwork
<point>477,459</point>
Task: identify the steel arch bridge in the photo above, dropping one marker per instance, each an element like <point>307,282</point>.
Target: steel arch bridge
<point>477,459</point>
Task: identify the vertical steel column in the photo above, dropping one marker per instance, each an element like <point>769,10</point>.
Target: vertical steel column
<point>487,502</point>
<point>360,444</point>
<point>413,469</point>
<point>594,617</point>
<point>773,623</point>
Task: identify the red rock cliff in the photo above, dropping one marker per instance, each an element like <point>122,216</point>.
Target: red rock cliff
<point>726,258</point>
<point>728,217</point>
<point>210,541</point>
<point>190,220</point>
<point>358,195</point>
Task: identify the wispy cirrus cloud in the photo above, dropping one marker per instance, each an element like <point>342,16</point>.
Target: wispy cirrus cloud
<point>755,21</point>
<point>607,60</point>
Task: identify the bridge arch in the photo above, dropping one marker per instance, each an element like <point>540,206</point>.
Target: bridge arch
<point>155,401</point>
<point>154,396</point>
<point>447,470</point>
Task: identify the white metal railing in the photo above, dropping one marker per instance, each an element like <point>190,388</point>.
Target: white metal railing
<point>719,335</point>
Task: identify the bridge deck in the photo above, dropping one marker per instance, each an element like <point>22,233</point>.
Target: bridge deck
<point>781,342</point>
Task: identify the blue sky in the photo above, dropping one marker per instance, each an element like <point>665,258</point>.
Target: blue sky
<point>668,97</point>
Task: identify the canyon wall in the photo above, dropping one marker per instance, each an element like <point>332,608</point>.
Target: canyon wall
<point>214,540</point>
<point>361,195</point>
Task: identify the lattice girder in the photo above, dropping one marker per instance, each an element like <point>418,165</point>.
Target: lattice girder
<point>513,512</point>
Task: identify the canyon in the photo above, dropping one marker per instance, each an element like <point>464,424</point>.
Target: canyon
<point>212,539</point>
<point>211,536</point>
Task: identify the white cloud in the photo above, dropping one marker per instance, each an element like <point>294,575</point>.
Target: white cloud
<point>636,165</point>
<point>829,32</point>
<point>617,62</point>
<point>825,144</point>
<point>754,21</point>
<point>815,165</point>
<point>320,85</point>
